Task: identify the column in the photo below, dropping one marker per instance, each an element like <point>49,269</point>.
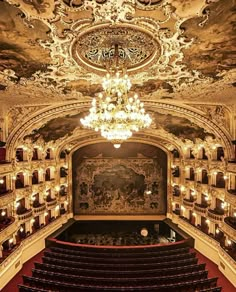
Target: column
<point>213,203</point>
<point>42,219</point>
<point>199,197</point>
<point>53,213</point>
<point>211,228</point>
<point>1,249</point>
<point>198,220</point>
<point>27,227</point>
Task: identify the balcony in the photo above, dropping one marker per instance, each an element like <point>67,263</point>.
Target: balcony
<point>188,203</point>
<point>21,191</point>
<point>229,227</point>
<point>5,166</point>
<point>39,209</point>
<point>215,216</point>
<point>189,184</point>
<point>231,167</point>
<point>63,180</point>
<point>51,204</point>
<point>50,183</point>
<point>25,216</point>
<point>230,197</point>
<point>9,228</point>
<point>6,198</point>
<point>176,180</point>
<point>200,209</point>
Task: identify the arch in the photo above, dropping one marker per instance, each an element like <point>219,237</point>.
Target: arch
<point>48,113</point>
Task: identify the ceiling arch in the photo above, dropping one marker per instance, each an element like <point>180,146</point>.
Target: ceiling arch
<point>170,122</point>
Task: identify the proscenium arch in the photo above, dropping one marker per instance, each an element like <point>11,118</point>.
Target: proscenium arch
<point>42,116</point>
<point>87,140</point>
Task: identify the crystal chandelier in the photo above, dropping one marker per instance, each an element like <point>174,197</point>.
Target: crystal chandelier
<point>115,114</point>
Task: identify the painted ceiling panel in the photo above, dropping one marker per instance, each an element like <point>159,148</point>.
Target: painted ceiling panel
<point>178,50</point>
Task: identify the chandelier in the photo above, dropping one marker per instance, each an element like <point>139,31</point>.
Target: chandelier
<point>114,113</point>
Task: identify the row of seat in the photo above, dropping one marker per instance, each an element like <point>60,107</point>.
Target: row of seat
<point>118,281</point>
<point>126,254</point>
<point>120,273</point>
<point>85,268</point>
<point>190,286</point>
<point>123,267</point>
<point>122,260</point>
<point>24,288</point>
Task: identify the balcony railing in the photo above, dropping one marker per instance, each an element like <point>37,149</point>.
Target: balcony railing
<point>25,216</point>
<point>51,203</point>
<point>39,209</point>
<point>229,227</point>
<point>188,203</point>
<point>200,209</point>
<point>230,197</point>
<point>214,216</point>
<point>6,198</point>
<point>9,229</point>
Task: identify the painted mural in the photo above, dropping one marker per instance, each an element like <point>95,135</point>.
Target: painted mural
<point>112,186</point>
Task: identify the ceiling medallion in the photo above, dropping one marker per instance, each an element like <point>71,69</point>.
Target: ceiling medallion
<point>95,47</point>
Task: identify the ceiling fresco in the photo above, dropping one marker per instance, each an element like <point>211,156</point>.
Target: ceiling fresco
<point>54,52</point>
<point>181,128</point>
<point>56,128</point>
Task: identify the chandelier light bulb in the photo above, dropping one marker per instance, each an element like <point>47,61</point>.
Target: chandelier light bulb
<point>115,114</point>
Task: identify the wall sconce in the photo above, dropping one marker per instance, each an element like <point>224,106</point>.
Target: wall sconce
<point>57,188</point>
<point>229,242</point>
<point>45,214</point>
<point>3,213</point>
<point>1,181</point>
<point>207,221</point>
<point>182,188</point>
<point>21,229</point>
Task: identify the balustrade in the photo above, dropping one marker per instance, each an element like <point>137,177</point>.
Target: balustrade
<point>202,210</point>
<point>6,198</point>
<point>51,203</point>
<point>39,209</point>
<point>188,203</point>
<point>25,216</point>
<point>214,216</point>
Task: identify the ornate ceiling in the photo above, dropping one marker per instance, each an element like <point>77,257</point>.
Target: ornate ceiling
<point>179,52</point>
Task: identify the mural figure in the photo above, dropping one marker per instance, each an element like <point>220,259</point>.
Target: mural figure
<point>119,188</point>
